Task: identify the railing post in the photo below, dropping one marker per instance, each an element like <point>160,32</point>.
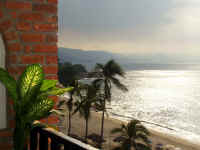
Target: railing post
<point>55,145</point>
<point>43,141</point>
<point>34,139</point>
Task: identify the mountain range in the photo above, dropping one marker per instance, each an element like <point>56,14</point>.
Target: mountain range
<point>89,58</point>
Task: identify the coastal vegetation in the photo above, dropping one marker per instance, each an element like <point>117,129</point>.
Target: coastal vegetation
<point>84,104</point>
<point>109,72</point>
<point>95,95</point>
<point>70,102</point>
<point>133,135</point>
<point>68,72</point>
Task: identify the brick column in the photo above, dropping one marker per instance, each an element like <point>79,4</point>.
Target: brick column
<point>29,28</point>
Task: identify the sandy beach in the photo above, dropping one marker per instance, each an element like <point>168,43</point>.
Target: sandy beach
<point>78,128</point>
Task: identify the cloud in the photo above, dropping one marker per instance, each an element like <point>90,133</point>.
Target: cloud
<point>130,25</point>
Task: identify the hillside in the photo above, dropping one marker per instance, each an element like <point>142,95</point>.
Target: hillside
<point>128,62</point>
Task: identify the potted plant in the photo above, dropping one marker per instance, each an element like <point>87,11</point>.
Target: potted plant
<point>30,95</point>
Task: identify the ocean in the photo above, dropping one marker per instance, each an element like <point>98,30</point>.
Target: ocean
<point>170,98</point>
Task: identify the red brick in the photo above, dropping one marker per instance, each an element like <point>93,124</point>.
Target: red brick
<point>19,5</point>
<point>11,112</point>
<point>13,14</point>
<point>20,69</point>
<point>50,69</point>
<point>45,27</point>
<point>45,48</point>
<point>53,120</point>
<point>32,59</point>
<point>41,1</point>
<point>1,4</point>
<point>12,70</point>
<point>43,120</point>
<point>48,8</point>
<point>12,59</point>
<point>32,37</point>
<point>52,38</point>
<point>1,14</point>
<point>6,146</point>
<point>51,59</point>
<point>52,19</point>
<point>16,70</point>
<point>23,26</point>
<point>5,25</point>
<point>12,124</point>
<point>52,77</point>
<point>27,48</point>
<point>32,16</point>
<point>14,47</point>
<point>11,35</point>
<point>53,1</point>
<point>5,133</point>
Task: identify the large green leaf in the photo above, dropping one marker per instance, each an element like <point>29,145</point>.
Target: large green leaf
<point>30,81</point>
<point>10,84</point>
<point>47,84</point>
<point>58,91</point>
<point>40,110</point>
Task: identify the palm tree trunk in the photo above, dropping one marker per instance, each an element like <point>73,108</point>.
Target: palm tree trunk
<point>86,130</point>
<point>69,123</point>
<point>102,127</point>
<point>69,113</point>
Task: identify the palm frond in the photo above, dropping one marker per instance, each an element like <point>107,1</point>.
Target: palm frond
<point>97,83</point>
<point>112,68</point>
<point>116,130</point>
<point>56,112</point>
<point>117,148</point>
<point>142,129</point>
<point>61,103</point>
<point>99,67</point>
<point>126,145</point>
<point>118,84</point>
<point>141,146</point>
<point>143,137</point>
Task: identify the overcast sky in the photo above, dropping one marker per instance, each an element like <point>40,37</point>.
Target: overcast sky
<point>131,26</point>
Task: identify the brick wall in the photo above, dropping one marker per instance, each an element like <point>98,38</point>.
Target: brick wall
<point>29,28</point>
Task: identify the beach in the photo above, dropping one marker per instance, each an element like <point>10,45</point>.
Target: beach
<point>78,129</point>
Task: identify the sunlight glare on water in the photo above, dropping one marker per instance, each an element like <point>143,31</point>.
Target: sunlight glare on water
<point>170,98</point>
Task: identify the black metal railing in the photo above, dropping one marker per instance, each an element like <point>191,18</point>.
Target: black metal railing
<point>49,139</point>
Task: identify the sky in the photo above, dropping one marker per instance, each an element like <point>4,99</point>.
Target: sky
<point>131,26</point>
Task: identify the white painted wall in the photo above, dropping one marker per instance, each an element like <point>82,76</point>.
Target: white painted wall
<point>2,89</point>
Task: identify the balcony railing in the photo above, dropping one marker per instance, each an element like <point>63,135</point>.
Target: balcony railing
<point>49,139</point>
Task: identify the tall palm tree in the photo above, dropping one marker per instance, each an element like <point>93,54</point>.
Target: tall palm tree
<point>70,103</point>
<point>108,73</point>
<point>85,104</point>
<point>134,135</point>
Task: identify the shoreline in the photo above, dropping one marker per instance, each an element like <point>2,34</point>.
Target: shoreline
<point>167,138</point>
<point>78,128</point>
<point>173,137</point>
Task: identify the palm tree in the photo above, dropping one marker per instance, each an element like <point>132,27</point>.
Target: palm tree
<point>134,135</point>
<point>85,104</point>
<point>108,74</point>
<point>70,103</point>
<point>30,95</point>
